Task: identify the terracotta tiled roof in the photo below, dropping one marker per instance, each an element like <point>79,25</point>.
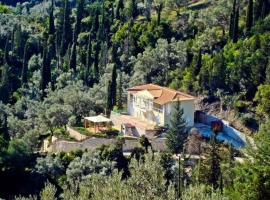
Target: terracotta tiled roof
<point>162,95</point>
<point>155,93</point>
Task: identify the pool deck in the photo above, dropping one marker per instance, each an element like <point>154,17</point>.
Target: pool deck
<point>206,132</point>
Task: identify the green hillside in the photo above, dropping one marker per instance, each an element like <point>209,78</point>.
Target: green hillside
<point>62,60</point>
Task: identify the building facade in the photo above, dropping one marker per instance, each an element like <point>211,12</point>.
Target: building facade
<point>154,104</point>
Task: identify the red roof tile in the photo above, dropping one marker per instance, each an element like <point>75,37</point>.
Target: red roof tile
<point>162,95</point>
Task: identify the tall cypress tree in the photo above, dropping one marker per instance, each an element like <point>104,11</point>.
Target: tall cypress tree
<point>6,55</point>
<point>148,5</point>
<point>4,126</point>
<point>120,91</point>
<point>133,9</point>
<point>114,85</point>
<point>198,65</point>
<point>265,9</point>
<point>236,25</point>
<point>51,47</point>
<point>177,133</point>
<point>119,8</point>
<point>214,162</point>
<point>249,19</point>
<point>45,70</point>
<point>109,98</point>
<point>25,63</point>
<point>96,61</point>
<point>89,60</point>
<point>66,35</point>
<point>261,9</point>
<point>159,8</point>
<point>73,58</point>
<point>18,42</point>
<point>79,16</point>
<point>232,16</point>
<point>51,19</point>
<point>5,85</point>
<point>96,22</point>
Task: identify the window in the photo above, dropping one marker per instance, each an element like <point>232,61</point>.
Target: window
<point>157,107</point>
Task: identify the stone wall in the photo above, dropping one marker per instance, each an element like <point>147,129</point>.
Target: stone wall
<point>93,143</point>
<point>76,135</point>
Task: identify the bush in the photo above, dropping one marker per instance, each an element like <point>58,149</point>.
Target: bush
<point>249,120</point>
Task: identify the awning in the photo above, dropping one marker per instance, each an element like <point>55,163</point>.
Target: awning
<point>98,119</point>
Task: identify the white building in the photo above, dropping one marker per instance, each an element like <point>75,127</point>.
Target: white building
<point>154,104</point>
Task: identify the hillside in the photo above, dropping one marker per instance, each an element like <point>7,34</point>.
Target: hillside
<point>62,60</point>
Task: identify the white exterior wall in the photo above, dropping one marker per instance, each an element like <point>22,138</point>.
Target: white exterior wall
<point>161,118</point>
<point>188,108</point>
<point>130,106</point>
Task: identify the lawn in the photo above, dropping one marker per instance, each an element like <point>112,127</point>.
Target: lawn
<point>113,133</point>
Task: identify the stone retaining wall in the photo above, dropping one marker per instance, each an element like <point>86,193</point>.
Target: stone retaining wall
<point>93,143</point>
<point>76,135</point>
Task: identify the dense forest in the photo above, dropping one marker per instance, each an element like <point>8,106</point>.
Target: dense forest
<point>61,60</point>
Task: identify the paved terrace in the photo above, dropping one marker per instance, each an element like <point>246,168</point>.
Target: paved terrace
<point>136,122</point>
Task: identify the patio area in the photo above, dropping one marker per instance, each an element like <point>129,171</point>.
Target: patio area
<point>131,125</point>
<point>97,124</point>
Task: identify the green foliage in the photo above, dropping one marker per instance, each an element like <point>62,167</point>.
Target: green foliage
<point>177,133</point>
<point>4,9</point>
<point>145,143</point>
<point>263,100</point>
<point>18,155</point>
<point>202,192</point>
<point>51,166</point>
<point>48,193</point>
<point>67,30</point>
<point>146,181</point>
<point>252,176</point>
<point>199,46</point>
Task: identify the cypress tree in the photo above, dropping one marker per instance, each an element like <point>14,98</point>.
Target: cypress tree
<point>45,70</point>
<point>265,9</point>
<point>51,47</point>
<point>109,98</point>
<point>231,25</point>
<point>120,91</point>
<point>73,58</point>
<point>18,42</point>
<point>96,61</point>
<point>6,55</point>
<point>5,85</point>
<point>114,85</point>
<point>249,19</point>
<point>119,8</point>
<point>232,17</point>
<point>25,64</point>
<point>96,22</point>
<point>79,16</point>
<point>236,24</point>
<point>51,19</point>
<point>177,133</point>
<point>4,126</point>
<point>89,62</point>
<point>148,5</point>
<point>66,35</point>
<point>215,165</point>
<point>133,9</point>
<point>159,9</point>
<point>198,65</point>
<point>261,9</point>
